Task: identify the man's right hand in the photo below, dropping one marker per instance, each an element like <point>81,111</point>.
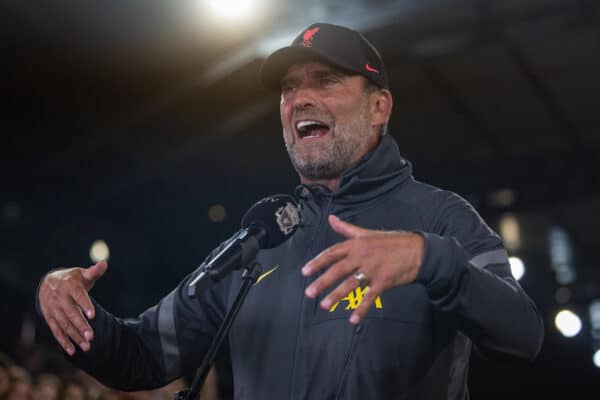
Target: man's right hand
<point>63,299</point>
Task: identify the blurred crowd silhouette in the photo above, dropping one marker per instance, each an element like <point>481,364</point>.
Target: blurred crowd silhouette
<point>45,374</point>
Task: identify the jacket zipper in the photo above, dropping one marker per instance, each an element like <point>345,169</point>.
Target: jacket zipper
<point>311,249</point>
<point>348,363</point>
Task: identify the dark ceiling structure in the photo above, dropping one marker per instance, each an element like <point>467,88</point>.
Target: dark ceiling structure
<point>128,122</point>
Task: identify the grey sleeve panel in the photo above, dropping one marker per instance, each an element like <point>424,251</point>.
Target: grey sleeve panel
<point>489,257</point>
<point>168,336</point>
<point>466,273</point>
<point>186,322</point>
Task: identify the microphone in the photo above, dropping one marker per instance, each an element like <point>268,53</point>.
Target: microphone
<point>267,224</point>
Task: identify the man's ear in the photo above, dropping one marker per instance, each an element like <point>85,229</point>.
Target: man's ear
<point>381,107</point>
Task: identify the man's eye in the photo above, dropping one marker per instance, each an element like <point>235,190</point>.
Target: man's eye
<point>286,89</point>
<point>328,81</point>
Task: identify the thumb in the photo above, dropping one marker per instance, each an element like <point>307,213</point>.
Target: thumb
<point>93,273</point>
<point>344,228</point>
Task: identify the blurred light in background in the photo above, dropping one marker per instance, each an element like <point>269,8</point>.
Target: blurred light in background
<point>232,9</point>
<point>567,323</point>
<point>510,231</point>
<point>594,314</point>
<point>216,213</point>
<point>596,358</point>
<point>517,268</point>
<point>99,251</point>
<point>561,255</point>
<point>502,198</point>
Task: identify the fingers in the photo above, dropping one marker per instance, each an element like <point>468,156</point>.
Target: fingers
<point>74,314</point>
<point>368,296</point>
<point>344,228</point>
<point>66,333</point>
<point>341,291</point>
<point>84,303</point>
<point>325,258</point>
<point>368,299</point>
<point>336,272</point>
<point>90,275</point>
<point>60,337</point>
<point>68,326</point>
<point>93,273</point>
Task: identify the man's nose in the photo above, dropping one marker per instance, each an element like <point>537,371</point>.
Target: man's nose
<point>304,97</point>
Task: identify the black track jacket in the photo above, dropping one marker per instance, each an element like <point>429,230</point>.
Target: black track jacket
<point>414,343</point>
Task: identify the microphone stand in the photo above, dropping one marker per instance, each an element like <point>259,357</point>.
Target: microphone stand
<point>249,276</point>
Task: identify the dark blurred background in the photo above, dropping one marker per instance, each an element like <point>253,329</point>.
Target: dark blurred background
<point>142,124</point>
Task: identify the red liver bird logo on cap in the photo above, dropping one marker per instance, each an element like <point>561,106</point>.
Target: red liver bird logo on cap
<point>308,36</point>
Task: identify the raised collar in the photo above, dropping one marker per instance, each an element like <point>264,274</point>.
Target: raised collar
<point>376,173</point>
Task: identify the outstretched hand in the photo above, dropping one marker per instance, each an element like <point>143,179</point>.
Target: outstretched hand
<point>385,258</point>
<point>65,304</point>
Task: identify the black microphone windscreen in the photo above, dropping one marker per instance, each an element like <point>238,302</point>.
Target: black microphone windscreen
<point>279,215</point>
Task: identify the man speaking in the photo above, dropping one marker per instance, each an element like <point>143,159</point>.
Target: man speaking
<point>380,293</point>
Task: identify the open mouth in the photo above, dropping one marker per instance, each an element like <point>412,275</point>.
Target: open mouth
<point>311,129</point>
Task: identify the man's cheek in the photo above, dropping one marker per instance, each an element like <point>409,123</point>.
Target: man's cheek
<point>288,136</point>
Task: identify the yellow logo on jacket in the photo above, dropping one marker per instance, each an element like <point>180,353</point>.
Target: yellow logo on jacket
<point>354,299</point>
<point>263,276</point>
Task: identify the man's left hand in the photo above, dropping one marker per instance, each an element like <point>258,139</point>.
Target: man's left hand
<point>385,258</point>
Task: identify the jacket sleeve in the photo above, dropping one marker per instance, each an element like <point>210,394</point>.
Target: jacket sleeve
<point>466,272</point>
<point>161,344</point>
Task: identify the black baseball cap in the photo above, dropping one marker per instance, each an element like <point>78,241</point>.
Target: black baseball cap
<point>337,45</point>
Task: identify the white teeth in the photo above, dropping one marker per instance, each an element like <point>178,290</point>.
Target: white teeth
<point>303,124</point>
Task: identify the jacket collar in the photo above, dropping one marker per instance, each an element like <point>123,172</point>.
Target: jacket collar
<point>376,173</point>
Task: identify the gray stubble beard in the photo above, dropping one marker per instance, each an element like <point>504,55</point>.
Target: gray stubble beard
<point>338,155</point>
